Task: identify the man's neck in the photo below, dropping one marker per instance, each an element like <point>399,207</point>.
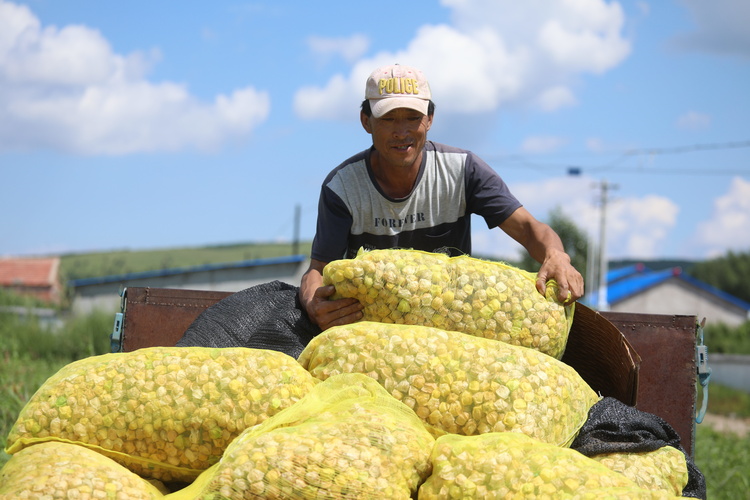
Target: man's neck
<point>396,181</point>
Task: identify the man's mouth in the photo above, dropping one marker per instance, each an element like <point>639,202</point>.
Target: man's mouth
<point>402,147</point>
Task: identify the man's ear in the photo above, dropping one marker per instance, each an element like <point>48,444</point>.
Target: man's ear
<point>365,120</point>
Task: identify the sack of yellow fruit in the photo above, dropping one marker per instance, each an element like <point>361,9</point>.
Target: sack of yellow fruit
<point>511,465</point>
<point>464,294</point>
<point>458,383</point>
<point>662,469</point>
<point>57,470</point>
<point>348,438</point>
<point>164,412</point>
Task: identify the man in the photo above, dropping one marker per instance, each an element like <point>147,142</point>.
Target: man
<point>408,192</point>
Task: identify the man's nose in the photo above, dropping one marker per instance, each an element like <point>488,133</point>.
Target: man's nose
<point>401,128</point>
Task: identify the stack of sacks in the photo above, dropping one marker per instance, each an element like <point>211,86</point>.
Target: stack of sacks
<point>451,388</point>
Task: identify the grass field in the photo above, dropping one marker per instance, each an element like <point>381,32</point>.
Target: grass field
<point>92,265</point>
<point>28,355</point>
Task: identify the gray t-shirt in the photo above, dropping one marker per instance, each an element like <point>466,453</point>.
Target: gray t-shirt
<point>452,184</point>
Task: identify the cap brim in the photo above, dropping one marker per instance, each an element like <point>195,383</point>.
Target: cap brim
<point>380,107</point>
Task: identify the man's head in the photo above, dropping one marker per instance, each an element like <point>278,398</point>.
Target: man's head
<point>396,86</point>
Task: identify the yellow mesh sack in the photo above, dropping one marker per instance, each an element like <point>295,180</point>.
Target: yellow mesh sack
<point>458,383</point>
<point>57,470</point>
<point>623,493</point>
<point>511,465</point>
<point>164,412</point>
<point>347,438</point>
<point>663,469</point>
<point>464,294</point>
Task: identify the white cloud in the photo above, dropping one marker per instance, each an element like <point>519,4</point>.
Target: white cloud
<point>348,48</point>
<point>555,98</point>
<point>692,120</point>
<point>539,198</point>
<point>728,227</point>
<point>636,227</point>
<point>595,144</point>
<point>720,27</point>
<point>494,52</point>
<point>65,89</point>
<point>541,144</point>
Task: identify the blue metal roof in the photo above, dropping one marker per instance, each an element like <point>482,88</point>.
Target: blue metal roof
<point>636,282</point>
<point>623,272</point>
<point>291,259</point>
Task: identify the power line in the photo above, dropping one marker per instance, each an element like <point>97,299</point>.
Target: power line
<point>523,162</point>
<point>690,148</point>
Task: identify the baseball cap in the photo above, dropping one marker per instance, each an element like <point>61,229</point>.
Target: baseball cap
<point>397,86</point>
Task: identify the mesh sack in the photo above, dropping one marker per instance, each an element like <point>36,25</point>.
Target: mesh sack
<point>266,316</point>
<point>510,465</point>
<point>57,470</point>
<point>164,412</point>
<point>663,469</point>
<point>347,438</point>
<point>458,383</point>
<point>478,297</point>
<point>614,427</point>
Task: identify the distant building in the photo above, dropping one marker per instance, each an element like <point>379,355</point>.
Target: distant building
<point>34,277</point>
<point>103,293</point>
<point>638,289</point>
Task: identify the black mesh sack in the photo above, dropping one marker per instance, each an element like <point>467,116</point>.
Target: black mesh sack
<point>266,316</point>
<point>614,427</point>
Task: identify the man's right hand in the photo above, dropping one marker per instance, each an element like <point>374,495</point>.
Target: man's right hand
<point>327,313</point>
<point>316,299</point>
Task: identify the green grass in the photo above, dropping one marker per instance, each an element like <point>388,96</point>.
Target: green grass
<point>30,354</point>
<point>724,459</point>
<point>92,265</point>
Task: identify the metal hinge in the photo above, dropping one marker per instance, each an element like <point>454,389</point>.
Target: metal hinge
<point>703,370</point>
<point>115,338</point>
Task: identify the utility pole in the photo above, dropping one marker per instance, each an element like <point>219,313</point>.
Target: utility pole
<point>604,187</point>
<point>295,236</point>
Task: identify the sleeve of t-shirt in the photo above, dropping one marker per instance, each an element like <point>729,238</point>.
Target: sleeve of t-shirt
<point>332,230</point>
<point>487,194</point>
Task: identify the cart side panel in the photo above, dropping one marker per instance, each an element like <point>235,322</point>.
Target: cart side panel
<point>667,375</point>
<point>160,316</point>
<point>602,355</point>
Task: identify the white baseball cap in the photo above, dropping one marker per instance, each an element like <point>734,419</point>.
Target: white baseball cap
<point>397,86</point>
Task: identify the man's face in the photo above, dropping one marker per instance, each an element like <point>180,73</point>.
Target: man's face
<point>398,136</point>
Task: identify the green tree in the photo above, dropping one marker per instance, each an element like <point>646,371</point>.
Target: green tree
<point>729,273</point>
<point>574,239</point>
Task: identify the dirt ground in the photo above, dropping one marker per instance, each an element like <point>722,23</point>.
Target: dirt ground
<point>721,423</point>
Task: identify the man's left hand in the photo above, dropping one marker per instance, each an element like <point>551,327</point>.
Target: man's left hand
<point>569,280</point>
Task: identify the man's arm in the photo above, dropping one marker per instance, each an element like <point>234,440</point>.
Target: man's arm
<point>315,298</point>
<point>545,246</point>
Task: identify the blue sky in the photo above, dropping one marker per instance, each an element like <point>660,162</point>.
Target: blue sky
<point>140,125</point>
